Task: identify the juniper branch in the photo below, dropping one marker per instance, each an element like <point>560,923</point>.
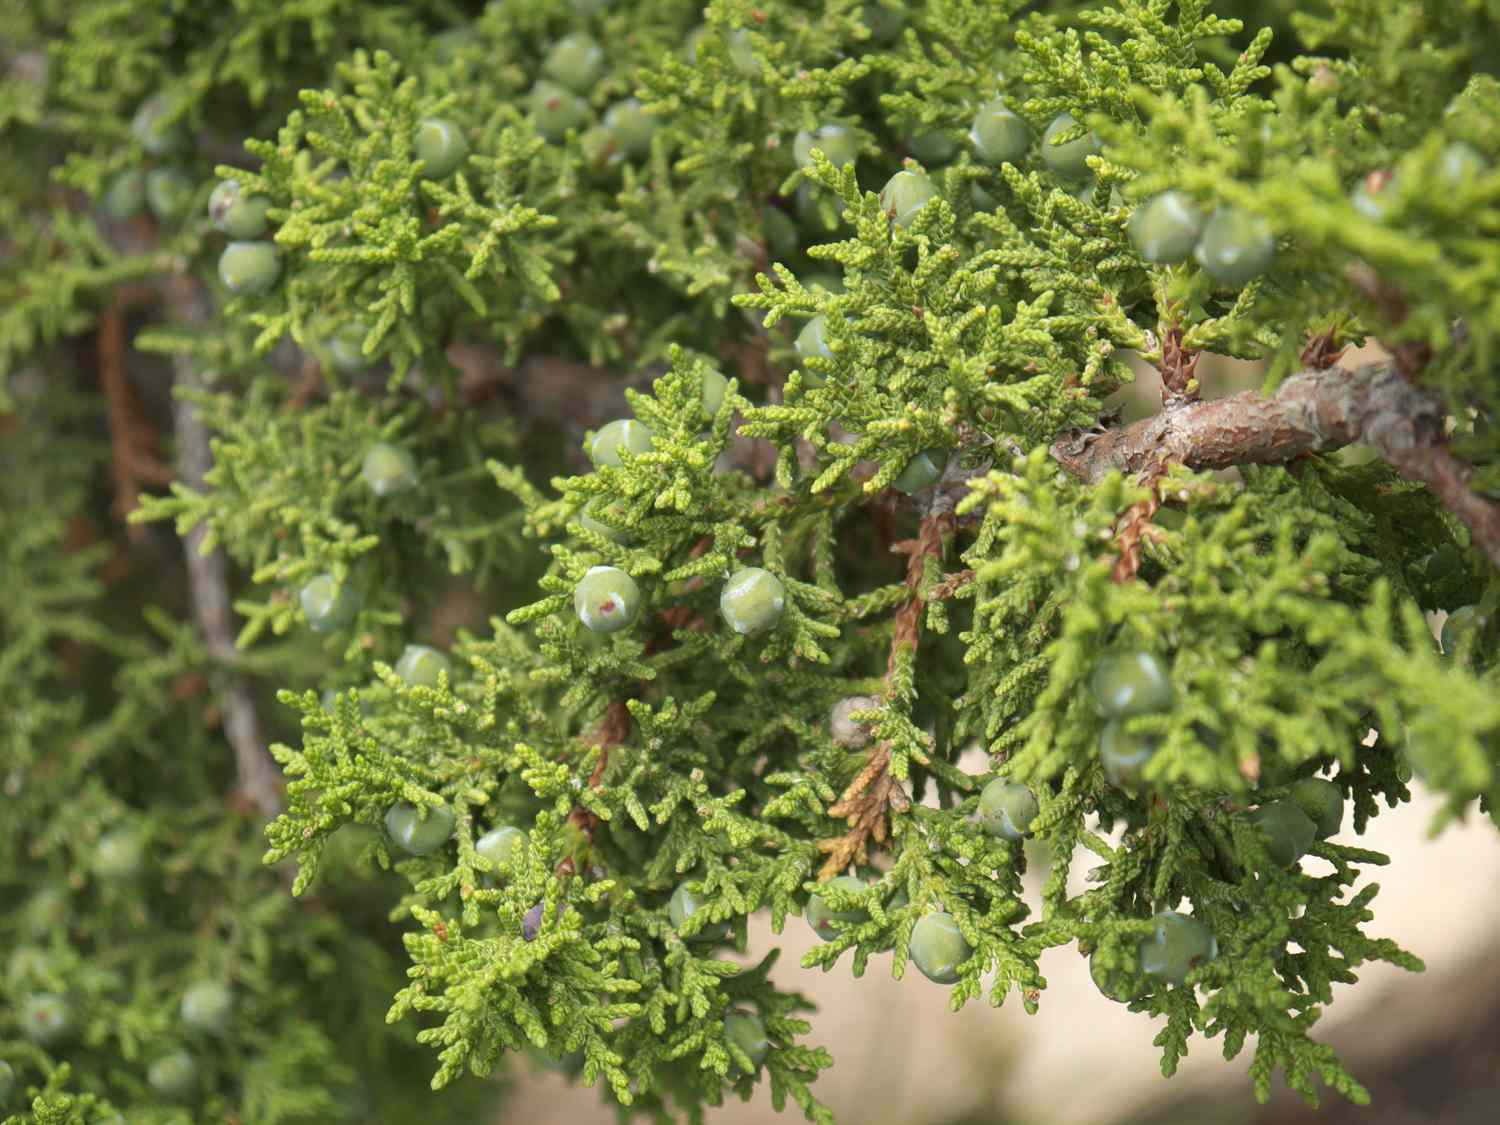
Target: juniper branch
<point>613,729</point>
<point>865,802</point>
<point>130,439</point>
<point>208,580</point>
<point>1311,412</point>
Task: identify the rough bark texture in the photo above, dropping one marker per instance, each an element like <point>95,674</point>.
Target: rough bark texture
<point>259,780</point>
<point>1311,412</point>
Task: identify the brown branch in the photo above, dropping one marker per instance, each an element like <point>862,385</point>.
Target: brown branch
<point>613,729</point>
<point>1136,527</point>
<point>1311,412</point>
<point>132,459</point>
<point>951,584</point>
<point>259,780</point>
<point>929,544</point>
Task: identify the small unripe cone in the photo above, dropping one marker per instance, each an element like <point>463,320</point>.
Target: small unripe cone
<point>938,947</point>
<point>606,599</point>
<point>416,833</point>
<point>820,916</point>
<point>753,600</point>
<point>998,135</point>
<point>1180,944</point>
<point>905,194</point>
<point>1007,808</point>
<point>842,727</point>
<point>1070,160</point>
<point>421,665</point>
<point>683,904</point>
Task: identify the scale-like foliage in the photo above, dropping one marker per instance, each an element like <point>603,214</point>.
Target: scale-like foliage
<point>885,412</point>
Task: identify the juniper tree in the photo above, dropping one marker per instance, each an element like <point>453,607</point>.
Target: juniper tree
<point>642,465</point>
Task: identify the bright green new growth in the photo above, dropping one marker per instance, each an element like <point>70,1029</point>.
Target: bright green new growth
<point>621,227</point>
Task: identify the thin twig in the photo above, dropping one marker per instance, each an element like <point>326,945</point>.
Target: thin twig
<point>874,793</point>
<point>1135,527</point>
<point>613,729</point>
<point>131,458</point>
<point>259,780</point>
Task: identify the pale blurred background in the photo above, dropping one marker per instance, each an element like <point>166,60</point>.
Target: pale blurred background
<point>1426,1045</point>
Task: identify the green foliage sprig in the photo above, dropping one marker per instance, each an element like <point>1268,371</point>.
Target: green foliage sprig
<point>857,395</point>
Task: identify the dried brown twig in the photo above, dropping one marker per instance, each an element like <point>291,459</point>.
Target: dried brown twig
<point>867,801</point>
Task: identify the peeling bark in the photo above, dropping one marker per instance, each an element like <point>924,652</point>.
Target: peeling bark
<point>1312,412</point>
